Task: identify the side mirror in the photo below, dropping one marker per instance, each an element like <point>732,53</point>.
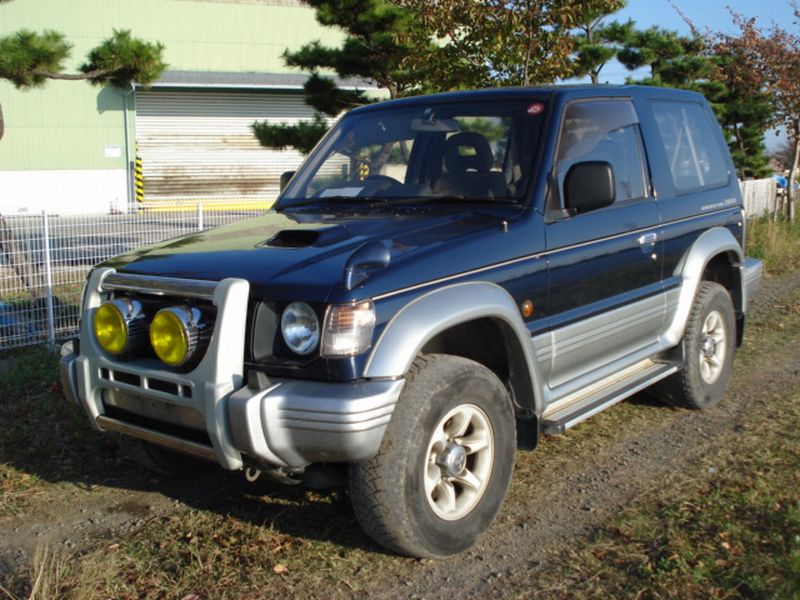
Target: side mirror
<point>588,186</point>
<point>286,176</point>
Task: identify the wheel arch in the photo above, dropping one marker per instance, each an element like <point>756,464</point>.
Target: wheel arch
<point>475,320</point>
<point>715,256</point>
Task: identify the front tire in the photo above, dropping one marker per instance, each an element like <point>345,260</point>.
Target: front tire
<point>445,463</point>
<point>708,347</point>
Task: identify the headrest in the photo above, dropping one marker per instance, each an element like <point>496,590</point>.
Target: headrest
<point>467,150</point>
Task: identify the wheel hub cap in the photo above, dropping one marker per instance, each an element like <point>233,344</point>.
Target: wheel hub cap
<point>459,463</point>
<point>453,460</point>
<point>712,351</point>
<point>709,347</point>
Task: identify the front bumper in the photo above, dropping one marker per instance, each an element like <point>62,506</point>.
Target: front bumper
<point>289,423</point>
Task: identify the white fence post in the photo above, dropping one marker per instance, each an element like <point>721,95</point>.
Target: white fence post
<point>48,270</point>
<point>199,216</point>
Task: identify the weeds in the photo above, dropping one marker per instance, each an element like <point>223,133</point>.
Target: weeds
<point>50,574</point>
<point>732,531</point>
<point>43,440</point>
<point>777,243</point>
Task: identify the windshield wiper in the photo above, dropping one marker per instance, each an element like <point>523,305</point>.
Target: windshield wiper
<point>380,201</point>
<point>326,200</point>
<point>389,201</point>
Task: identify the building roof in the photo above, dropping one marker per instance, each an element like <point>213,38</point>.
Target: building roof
<point>237,80</point>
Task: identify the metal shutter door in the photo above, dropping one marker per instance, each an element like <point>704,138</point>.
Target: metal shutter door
<point>196,145</point>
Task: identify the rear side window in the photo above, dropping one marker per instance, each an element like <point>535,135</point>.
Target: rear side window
<point>690,141</point>
<point>604,130</point>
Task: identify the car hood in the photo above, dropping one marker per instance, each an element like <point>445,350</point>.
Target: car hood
<point>303,255</point>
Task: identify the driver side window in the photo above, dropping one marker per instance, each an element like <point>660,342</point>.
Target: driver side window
<point>607,131</point>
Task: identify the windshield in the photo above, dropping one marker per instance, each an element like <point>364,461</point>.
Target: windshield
<point>467,152</point>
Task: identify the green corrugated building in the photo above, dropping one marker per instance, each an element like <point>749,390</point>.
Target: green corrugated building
<point>72,147</point>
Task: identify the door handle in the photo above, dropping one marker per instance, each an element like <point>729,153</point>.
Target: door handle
<point>648,239</point>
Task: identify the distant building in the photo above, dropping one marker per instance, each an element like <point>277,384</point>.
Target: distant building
<point>71,147</point>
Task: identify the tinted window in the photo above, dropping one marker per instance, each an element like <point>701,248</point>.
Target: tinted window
<point>608,131</point>
<point>690,141</point>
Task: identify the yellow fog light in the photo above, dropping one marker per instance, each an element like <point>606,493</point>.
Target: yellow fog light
<point>174,334</point>
<point>110,329</point>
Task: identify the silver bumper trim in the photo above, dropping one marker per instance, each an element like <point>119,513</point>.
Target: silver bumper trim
<point>67,372</point>
<point>160,286</point>
<point>91,373</point>
<point>295,423</point>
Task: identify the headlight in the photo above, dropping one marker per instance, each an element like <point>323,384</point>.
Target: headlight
<point>348,329</point>
<point>175,334</point>
<point>300,328</point>
<point>119,325</point>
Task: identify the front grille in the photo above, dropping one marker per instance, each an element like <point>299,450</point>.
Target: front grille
<point>178,390</point>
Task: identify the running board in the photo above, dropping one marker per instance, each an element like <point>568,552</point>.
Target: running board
<point>574,409</point>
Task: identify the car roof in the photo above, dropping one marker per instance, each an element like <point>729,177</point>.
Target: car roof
<point>509,93</point>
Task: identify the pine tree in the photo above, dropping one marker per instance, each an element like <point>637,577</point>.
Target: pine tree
<point>383,44</point>
<point>693,63</point>
<point>413,46</point>
<point>29,59</point>
<point>596,44</point>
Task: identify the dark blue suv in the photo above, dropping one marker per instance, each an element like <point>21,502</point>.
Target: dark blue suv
<point>438,269</point>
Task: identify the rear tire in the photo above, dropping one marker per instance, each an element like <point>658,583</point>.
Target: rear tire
<point>708,347</point>
<point>445,463</point>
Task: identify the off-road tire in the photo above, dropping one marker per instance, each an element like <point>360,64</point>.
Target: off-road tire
<point>388,491</point>
<point>687,388</point>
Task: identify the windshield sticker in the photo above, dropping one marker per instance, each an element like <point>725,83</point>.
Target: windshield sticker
<point>343,191</point>
<point>535,109</point>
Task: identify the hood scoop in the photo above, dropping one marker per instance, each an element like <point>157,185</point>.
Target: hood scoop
<point>293,238</point>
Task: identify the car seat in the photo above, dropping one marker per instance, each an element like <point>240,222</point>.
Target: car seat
<point>468,160</point>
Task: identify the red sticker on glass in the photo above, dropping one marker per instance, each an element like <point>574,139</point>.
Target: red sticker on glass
<point>535,108</point>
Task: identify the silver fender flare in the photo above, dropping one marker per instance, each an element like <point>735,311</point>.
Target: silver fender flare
<point>436,311</point>
<point>711,243</point>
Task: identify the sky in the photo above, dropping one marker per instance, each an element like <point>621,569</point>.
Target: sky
<point>711,14</point>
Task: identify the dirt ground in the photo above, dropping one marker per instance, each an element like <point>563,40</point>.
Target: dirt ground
<point>562,492</point>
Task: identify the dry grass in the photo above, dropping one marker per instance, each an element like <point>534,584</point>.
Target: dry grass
<point>49,575</point>
<point>777,243</point>
<point>731,532</point>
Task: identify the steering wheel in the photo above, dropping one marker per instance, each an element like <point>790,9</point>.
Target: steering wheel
<point>385,179</point>
<point>374,184</point>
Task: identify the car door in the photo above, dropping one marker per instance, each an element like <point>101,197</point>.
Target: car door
<point>605,294</point>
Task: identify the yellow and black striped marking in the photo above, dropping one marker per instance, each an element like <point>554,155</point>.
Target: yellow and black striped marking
<point>138,177</point>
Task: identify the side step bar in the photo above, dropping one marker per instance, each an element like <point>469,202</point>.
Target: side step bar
<point>156,437</point>
<point>572,410</point>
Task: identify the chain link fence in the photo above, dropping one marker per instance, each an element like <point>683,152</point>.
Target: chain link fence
<point>44,259</point>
